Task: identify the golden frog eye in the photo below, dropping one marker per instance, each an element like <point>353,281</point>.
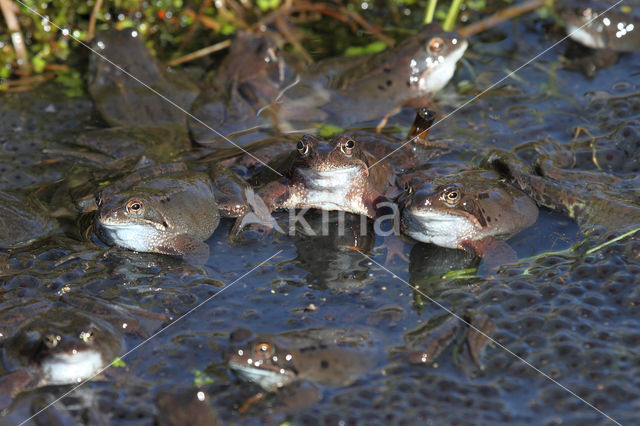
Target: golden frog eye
<point>135,207</point>
<point>451,196</point>
<point>436,45</point>
<point>86,336</point>
<point>348,146</point>
<point>302,147</point>
<point>263,350</point>
<point>51,340</point>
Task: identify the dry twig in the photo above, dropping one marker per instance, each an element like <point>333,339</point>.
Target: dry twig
<point>9,12</point>
<point>92,20</point>
<point>200,53</point>
<point>501,16</point>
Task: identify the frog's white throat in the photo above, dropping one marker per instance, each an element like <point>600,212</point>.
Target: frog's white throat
<point>67,368</point>
<point>438,75</point>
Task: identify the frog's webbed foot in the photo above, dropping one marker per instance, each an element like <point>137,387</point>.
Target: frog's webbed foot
<point>494,253</point>
<point>427,341</point>
<point>477,337</point>
<point>290,399</point>
<point>395,248</point>
<point>258,214</point>
<point>187,247</point>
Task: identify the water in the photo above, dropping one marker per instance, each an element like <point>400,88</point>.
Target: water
<point>573,316</point>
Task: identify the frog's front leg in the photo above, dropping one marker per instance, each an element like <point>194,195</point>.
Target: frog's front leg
<point>259,207</point>
<point>187,247</point>
<point>494,253</point>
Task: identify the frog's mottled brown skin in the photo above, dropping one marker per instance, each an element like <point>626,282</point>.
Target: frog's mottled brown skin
<point>170,214</point>
<point>347,90</point>
<point>468,210</point>
<point>330,176</point>
<point>595,209</point>
<point>618,29</point>
<point>123,100</point>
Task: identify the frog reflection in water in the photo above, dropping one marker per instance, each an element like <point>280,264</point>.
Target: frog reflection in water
<point>616,31</point>
<point>170,214</point>
<point>470,210</point>
<point>57,347</point>
<point>347,90</point>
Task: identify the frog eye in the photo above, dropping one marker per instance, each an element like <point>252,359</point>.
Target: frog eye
<point>273,54</point>
<point>348,146</point>
<point>86,336</point>
<point>135,207</point>
<point>451,195</point>
<point>435,45</point>
<point>51,340</point>
<point>263,350</point>
<point>408,188</point>
<point>302,147</point>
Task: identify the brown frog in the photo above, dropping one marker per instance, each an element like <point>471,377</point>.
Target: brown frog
<point>318,357</point>
<point>602,25</point>
<point>59,346</point>
<point>125,101</point>
<point>330,176</point>
<point>170,214</point>
<point>596,208</point>
<point>344,91</point>
<point>471,210</point>
<point>248,78</point>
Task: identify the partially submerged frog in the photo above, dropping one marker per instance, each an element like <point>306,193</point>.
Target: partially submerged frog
<point>123,100</point>
<point>591,24</point>
<point>344,91</point>
<point>617,29</point>
<point>171,214</point>
<point>314,357</point>
<point>470,210</point>
<point>22,221</point>
<point>332,176</point>
<point>427,341</point>
<point>59,346</point>
<point>597,208</point>
<point>248,78</point>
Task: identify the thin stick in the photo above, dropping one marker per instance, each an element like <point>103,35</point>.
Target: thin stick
<point>501,16</point>
<point>452,15</point>
<point>92,20</point>
<point>204,20</point>
<point>8,11</point>
<point>194,25</point>
<point>200,53</point>
<point>281,25</point>
<point>367,26</point>
<point>431,10</point>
